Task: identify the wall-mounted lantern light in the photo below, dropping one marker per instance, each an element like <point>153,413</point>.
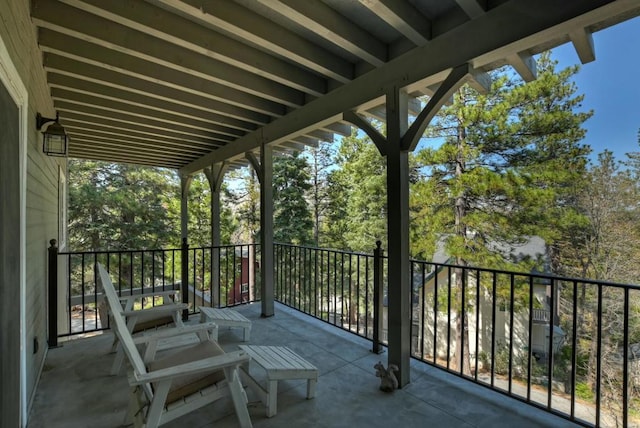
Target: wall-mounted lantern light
<point>54,139</point>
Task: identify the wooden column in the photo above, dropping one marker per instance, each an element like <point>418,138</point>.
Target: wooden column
<point>185,183</point>
<point>264,171</point>
<point>215,176</point>
<point>399,292</point>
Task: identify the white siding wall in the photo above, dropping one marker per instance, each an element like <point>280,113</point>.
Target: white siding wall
<point>19,36</point>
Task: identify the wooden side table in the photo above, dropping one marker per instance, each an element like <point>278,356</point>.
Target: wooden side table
<point>280,363</point>
<point>226,317</point>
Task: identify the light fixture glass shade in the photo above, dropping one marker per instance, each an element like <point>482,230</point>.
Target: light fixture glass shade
<point>55,140</point>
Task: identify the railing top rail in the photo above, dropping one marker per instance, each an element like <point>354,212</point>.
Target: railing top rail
<point>547,276</point>
<point>332,250</point>
<point>149,250</point>
<point>538,275</point>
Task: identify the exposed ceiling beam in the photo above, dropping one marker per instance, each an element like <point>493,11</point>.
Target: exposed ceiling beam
<point>79,50</point>
<point>92,151</point>
<point>82,25</point>
<point>473,8</point>
<point>179,31</point>
<point>126,119</point>
<point>517,33</point>
<point>79,138</point>
<point>525,65</point>
<point>219,132</point>
<point>226,125</point>
<point>257,30</point>
<point>76,70</point>
<point>332,26</point>
<point>583,44</point>
<point>130,137</point>
<point>403,17</point>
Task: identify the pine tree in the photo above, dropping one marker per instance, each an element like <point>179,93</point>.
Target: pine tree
<point>119,206</point>
<point>321,160</point>
<point>358,196</point>
<point>292,221</point>
<point>503,171</point>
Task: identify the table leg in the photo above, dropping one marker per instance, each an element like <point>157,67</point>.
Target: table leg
<point>311,388</point>
<point>272,398</point>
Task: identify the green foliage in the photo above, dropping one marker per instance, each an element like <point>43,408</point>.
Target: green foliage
<point>321,160</point>
<point>244,198</point>
<point>292,217</point>
<point>119,206</point>
<point>584,392</point>
<point>199,206</point>
<point>358,196</point>
<point>502,172</point>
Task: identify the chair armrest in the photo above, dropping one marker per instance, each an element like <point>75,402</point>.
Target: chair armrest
<point>127,302</point>
<point>169,332</point>
<point>230,359</point>
<point>151,294</point>
<point>157,310</point>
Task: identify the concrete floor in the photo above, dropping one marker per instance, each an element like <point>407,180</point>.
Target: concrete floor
<point>75,389</point>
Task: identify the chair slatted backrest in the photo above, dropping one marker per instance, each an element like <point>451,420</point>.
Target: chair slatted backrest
<point>120,324</point>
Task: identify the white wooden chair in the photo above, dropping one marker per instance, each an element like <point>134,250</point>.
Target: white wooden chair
<point>167,388</point>
<point>139,320</point>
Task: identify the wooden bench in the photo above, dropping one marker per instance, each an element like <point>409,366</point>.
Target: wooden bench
<point>280,363</point>
<point>226,317</point>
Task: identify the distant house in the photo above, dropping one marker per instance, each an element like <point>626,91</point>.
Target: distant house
<point>241,279</point>
<point>245,279</point>
<point>424,286</point>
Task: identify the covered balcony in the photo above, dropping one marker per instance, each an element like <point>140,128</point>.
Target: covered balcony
<point>77,390</point>
<point>520,365</point>
<point>203,86</point>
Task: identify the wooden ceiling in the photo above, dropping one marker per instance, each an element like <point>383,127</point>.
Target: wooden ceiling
<point>186,83</point>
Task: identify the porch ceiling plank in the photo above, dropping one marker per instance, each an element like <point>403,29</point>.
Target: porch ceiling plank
<point>523,25</point>
<point>96,152</point>
<point>117,149</point>
<point>87,121</point>
<point>236,75</point>
<point>340,128</point>
<point>319,134</point>
<point>235,128</point>
<point>180,31</point>
<point>254,29</point>
<point>292,145</point>
<point>80,128</point>
<point>82,25</point>
<point>303,139</point>
<point>224,133</point>
<point>125,119</point>
<point>93,73</point>
<point>332,26</point>
<point>111,144</point>
<point>67,47</point>
<point>404,17</point>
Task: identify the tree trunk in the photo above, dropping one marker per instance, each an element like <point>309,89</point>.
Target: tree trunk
<point>462,327</point>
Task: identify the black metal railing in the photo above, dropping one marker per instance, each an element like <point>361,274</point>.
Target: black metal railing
<point>206,276</point>
<point>564,345</point>
<point>334,286</point>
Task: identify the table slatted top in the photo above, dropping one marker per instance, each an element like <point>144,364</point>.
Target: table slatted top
<point>278,358</point>
<point>224,315</point>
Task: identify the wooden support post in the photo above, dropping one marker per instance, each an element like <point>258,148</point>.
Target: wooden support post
<point>53,295</point>
<point>378,297</point>
<point>184,276</point>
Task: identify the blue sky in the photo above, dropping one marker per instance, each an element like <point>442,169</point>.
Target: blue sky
<point>611,85</point>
